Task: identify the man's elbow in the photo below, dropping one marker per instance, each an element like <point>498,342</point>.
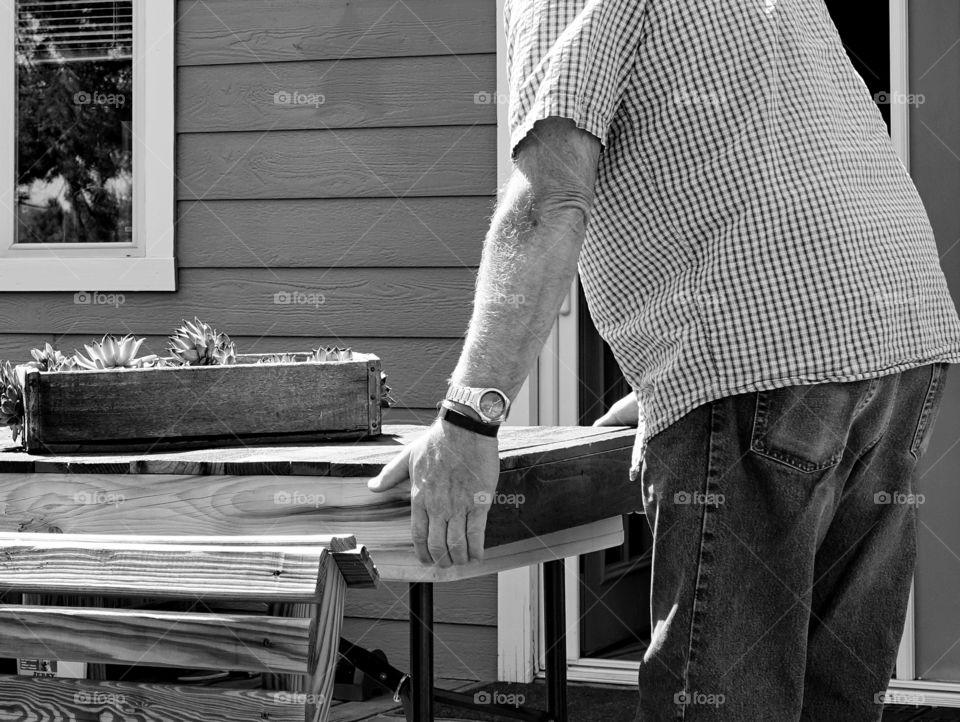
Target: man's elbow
<point>559,163</point>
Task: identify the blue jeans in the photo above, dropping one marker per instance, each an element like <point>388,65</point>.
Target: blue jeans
<point>784,529</point>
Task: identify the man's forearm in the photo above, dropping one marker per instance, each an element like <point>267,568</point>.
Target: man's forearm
<point>529,261</point>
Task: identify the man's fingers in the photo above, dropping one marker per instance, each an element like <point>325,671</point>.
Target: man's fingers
<point>437,542</point>
<point>476,526</point>
<point>419,525</point>
<point>398,470</point>
<point>457,540</point>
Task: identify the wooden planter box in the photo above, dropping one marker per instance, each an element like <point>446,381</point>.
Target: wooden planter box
<point>187,407</point>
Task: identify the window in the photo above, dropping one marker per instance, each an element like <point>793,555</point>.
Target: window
<point>86,146</point>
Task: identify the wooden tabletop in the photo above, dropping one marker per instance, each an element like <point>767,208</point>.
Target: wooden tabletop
<point>561,491</point>
<point>520,446</point>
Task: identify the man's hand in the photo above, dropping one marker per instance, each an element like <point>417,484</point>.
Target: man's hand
<point>626,412</point>
<point>453,474</point>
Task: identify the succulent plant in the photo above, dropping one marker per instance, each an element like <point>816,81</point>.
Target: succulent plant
<point>277,358</point>
<point>113,353</point>
<point>11,400</point>
<point>332,353</point>
<point>199,344</point>
<point>386,400</point>
<point>50,359</point>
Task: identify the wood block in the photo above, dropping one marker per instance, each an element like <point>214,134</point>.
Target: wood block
<point>208,406</point>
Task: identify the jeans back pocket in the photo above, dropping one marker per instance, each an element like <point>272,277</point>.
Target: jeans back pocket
<point>806,427</point>
<point>931,407</point>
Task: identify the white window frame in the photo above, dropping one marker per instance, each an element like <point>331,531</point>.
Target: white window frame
<point>146,264</point>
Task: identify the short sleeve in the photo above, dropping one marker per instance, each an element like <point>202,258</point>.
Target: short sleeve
<point>570,58</point>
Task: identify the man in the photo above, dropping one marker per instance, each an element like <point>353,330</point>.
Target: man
<point>761,265</point>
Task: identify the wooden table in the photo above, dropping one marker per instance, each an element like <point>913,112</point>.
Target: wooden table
<point>573,481</point>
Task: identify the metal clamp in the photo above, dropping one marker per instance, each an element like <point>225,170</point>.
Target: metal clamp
<point>396,694</point>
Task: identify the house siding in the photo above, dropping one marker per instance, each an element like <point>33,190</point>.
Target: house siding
<point>375,200</point>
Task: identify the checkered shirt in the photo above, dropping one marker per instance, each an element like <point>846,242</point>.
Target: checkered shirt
<point>753,226</point>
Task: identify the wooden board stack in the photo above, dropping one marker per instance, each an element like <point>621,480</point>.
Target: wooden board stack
<point>277,570</point>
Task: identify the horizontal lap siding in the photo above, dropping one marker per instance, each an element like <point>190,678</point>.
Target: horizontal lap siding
<point>375,200</point>
<point>348,232</point>
<point>372,162</point>
<point>241,31</point>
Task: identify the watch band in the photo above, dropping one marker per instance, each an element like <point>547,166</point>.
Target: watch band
<point>468,422</point>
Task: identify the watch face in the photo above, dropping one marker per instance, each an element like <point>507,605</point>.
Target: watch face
<point>492,404</point>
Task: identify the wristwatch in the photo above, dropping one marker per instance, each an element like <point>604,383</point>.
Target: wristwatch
<point>490,404</point>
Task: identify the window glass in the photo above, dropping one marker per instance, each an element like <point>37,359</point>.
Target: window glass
<point>74,171</point>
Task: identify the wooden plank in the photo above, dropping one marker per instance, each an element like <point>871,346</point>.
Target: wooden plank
<point>325,627</point>
<point>226,31</point>
<point>366,93</point>
<point>44,564</point>
<point>243,642</point>
<point>396,564</point>
<point>205,405</point>
<point>470,601</point>
<point>333,544</point>
<point>381,302</point>
<point>442,161</point>
<point>333,232</point>
<point>521,447</point>
<point>460,650</point>
<point>39,699</point>
<point>353,562</point>
<point>170,504</point>
<point>588,449</point>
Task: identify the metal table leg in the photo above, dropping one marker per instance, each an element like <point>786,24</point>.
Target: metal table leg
<point>421,651</point>
<point>554,612</point>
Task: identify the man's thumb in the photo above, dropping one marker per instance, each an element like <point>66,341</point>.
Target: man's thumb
<point>394,473</point>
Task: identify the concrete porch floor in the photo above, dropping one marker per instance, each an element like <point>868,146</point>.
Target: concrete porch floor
<point>384,709</point>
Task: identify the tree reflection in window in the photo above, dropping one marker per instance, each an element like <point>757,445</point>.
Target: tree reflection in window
<point>74,121</point>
